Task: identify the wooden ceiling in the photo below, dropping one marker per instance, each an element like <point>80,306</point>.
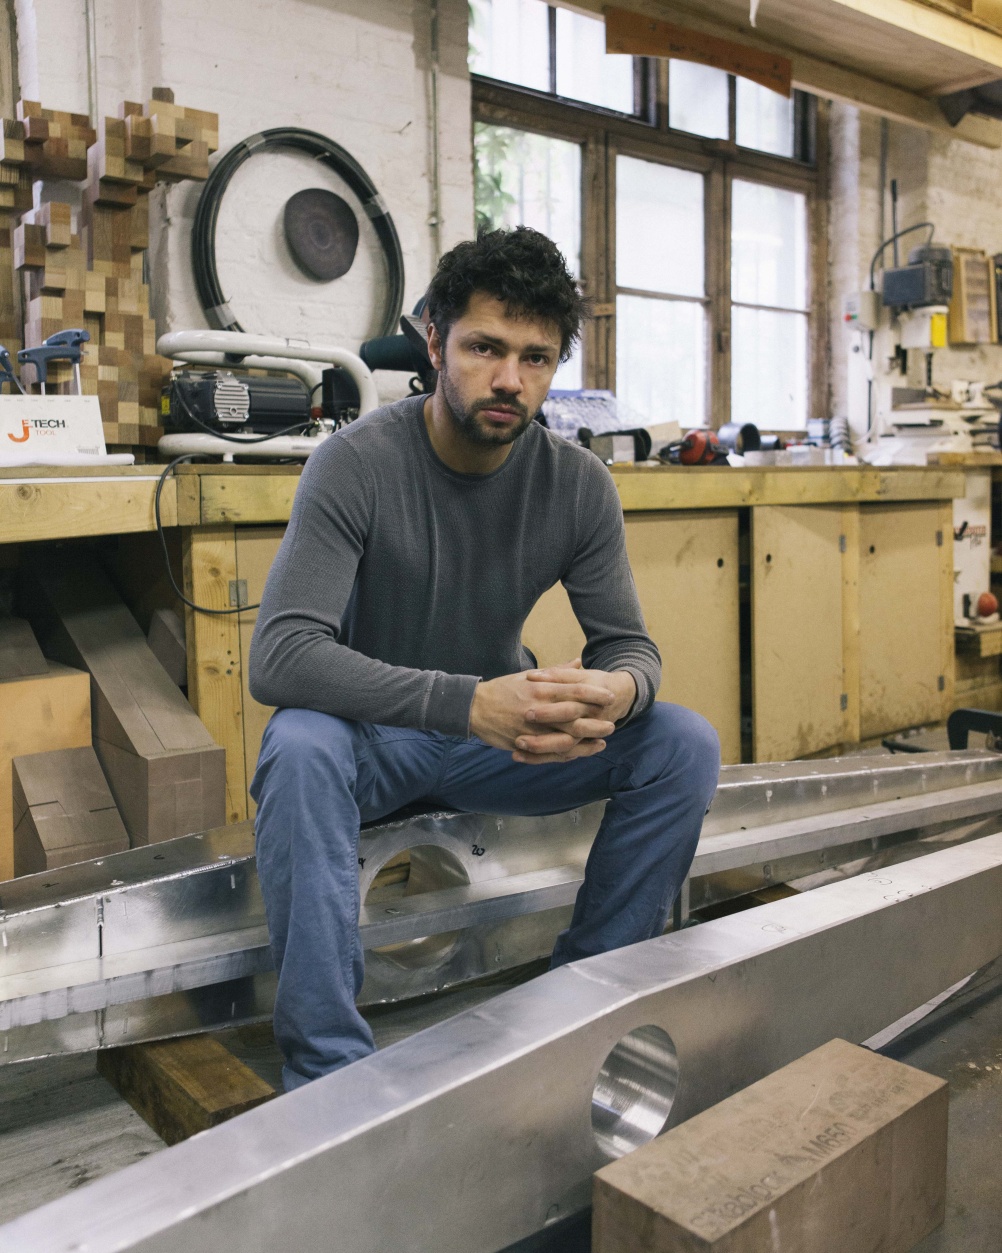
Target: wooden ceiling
<point>891,56</point>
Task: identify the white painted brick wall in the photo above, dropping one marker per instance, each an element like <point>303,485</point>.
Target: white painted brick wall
<point>949,182</point>
<point>355,70</point>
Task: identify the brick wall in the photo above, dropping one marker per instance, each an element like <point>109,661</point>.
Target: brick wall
<point>355,70</point>
<point>946,181</point>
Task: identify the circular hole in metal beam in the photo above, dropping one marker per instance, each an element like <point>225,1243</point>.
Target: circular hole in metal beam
<point>425,868</point>
<point>635,1091</point>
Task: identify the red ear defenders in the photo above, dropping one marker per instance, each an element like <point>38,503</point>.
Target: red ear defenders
<point>698,448</point>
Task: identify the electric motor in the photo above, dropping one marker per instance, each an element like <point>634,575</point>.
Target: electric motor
<point>229,403</point>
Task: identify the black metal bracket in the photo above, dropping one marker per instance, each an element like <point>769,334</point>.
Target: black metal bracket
<point>962,721</point>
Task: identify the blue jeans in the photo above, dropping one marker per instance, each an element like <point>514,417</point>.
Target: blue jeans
<point>318,777</point>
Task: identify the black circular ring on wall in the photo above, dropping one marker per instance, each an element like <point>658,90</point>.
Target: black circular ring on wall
<point>326,152</point>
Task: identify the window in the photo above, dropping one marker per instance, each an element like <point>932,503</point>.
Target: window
<point>510,40</point>
<point>532,180</point>
<point>769,318</point>
<point>701,100</point>
<point>532,44</point>
<point>765,120</point>
<point>660,291</point>
<point>690,226</point>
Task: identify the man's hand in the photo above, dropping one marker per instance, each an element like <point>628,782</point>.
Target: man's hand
<point>539,721</point>
<point>621,683</point>
<point>551,715</point>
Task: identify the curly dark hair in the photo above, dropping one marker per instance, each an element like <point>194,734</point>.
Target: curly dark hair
<point>522,268</point>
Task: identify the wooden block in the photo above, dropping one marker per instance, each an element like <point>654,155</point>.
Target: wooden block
<point>17,198</point>
<point>19,652</point>
<point>63,811</point>
<point>29,246</point>
<point>191,162</point>
<point>181,1087</point>
<point>842,1149</point>
<point>167,643</point>
<point>38,713</point>
<point>148,145</point>
<point>56,218</point>
<point>166,774</point>
<point>12,142</point>
<point>36,130</point>
<point>110,235</point>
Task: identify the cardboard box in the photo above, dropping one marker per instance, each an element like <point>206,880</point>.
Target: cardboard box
<point>840,1150</point>
<point>63,811</point>
<point>37,713</point>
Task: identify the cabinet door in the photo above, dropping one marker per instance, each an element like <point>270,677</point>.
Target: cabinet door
<point>905,616</point>
<point>802,600</point>
<point>685,566</point>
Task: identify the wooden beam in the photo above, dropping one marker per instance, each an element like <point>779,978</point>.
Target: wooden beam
<point>181,1087</point>
<point>228,498</point>
<point>166,773</point>
<point>727,487</point>
<point>256,498</point>
<point>966,34</point>
<point>641,36</point>
<point>55,506</point>
<point>214,662</point>
<point>825,78</point>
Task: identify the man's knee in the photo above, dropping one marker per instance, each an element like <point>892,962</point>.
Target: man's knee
<point>301,740</point>
<point>687,741</point>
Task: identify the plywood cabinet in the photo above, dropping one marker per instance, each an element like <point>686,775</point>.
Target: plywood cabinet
<point>852,610</point>
<point>685,566</point>
<point>803,567</point>
<point>905,616</point>
<point>797,622</point>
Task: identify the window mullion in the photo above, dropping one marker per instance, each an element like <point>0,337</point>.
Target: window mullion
<point>718,285</point>
<point>594,251</point>
<point>732,108</point>
<point>609,324</point>
<point>552,27</point>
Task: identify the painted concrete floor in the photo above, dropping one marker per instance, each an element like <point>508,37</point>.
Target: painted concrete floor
<point>962,1042</point>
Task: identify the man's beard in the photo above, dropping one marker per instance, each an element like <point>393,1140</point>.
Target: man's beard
<point>465,416</point>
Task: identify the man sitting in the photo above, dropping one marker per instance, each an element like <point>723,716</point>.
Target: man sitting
<point>389,637</point>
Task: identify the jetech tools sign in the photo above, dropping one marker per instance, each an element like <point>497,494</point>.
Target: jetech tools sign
<point>48,428</point>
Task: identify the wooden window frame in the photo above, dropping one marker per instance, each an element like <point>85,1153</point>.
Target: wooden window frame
<point>603,135</point>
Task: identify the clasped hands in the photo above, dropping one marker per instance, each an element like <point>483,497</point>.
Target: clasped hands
<point>553,714</point>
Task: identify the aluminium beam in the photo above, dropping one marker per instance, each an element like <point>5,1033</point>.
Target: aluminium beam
<point>130,946</point>
<point>489,1126</point>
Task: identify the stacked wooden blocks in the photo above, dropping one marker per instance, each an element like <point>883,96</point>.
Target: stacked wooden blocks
<point>94,277</point>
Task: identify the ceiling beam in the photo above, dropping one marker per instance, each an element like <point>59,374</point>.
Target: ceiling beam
<point>837,82</point>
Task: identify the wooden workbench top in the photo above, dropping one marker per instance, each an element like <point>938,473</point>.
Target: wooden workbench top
<point>45,502</point>
<point>209,495</point>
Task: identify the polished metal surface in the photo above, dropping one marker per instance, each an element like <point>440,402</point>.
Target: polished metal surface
<point>479,1131</point>
<point>79,946</point>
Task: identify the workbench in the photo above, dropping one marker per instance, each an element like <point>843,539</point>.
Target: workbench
<point>799,609</point>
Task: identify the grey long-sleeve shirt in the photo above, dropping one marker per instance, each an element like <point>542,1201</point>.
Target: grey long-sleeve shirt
<point>400,583</point>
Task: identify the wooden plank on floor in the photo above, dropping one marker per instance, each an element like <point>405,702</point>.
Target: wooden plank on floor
<point>181,1087</point>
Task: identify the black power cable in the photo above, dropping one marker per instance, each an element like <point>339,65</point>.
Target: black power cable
<point>298,429</point>
<point>328,153</point>
<point>188,456</point>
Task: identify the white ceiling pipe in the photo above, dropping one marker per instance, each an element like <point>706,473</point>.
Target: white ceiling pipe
<point>238,343</point>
